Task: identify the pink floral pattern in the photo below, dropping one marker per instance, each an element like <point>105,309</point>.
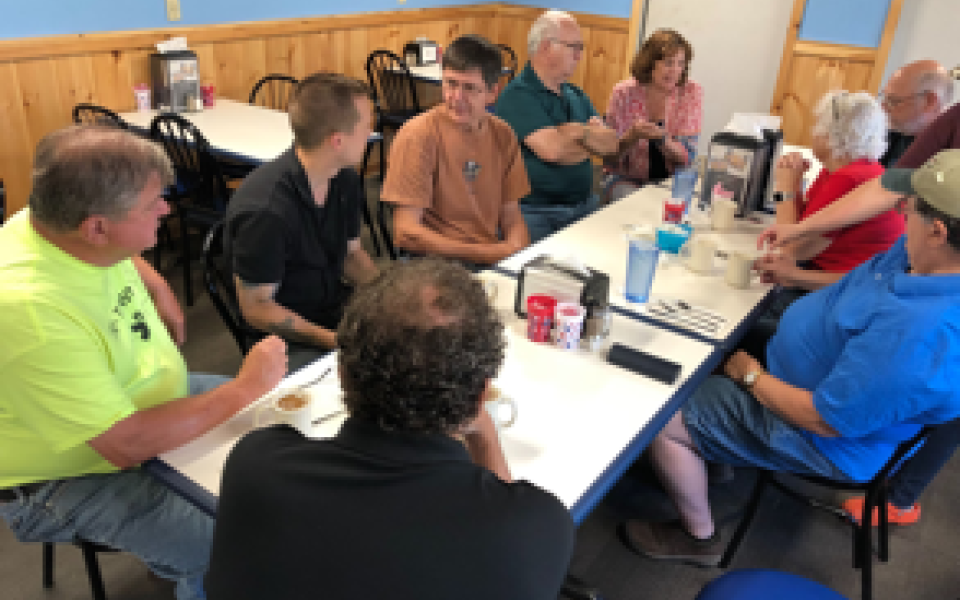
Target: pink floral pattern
<point>628,102</point>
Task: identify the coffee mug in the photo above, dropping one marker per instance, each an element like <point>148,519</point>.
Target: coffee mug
<point>292,407</point>
<point>723,213</point>
<point>495,403</point>
<point>490,287</point>
<point>699,255</point>
<point>739,267</point>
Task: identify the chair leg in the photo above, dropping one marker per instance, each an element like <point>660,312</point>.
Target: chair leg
<point>385,231</point>
<point>866,568</point>
<point>750,512</point>
<point>368,219</point>
<point>185,259</point>
<point>47,565</point>
<point>883,531</point>
<point>383,161</point>
<point>93,571</point>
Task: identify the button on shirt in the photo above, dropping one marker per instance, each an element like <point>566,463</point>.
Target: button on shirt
<point>880,350</point>
<point>527,105</point>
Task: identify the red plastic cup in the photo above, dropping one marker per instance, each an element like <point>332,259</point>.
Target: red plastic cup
<point>673,210</point>
<point>209,93</point>
<point>540,309</point>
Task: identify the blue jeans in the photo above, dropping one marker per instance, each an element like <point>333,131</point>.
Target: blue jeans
<point>544,220</point>
<point>128,510</point>
<point>728,425</point>
<point>920,469</point>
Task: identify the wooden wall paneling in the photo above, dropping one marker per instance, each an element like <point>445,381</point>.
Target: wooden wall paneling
<point>284,55</point>
<point>111,76</point>
<point>229,71</point>
<point>42,104</point>
<point>76,81</point>
<point>251,66</point>
<point>16,149</point>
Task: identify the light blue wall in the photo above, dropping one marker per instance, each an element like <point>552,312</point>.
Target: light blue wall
<point>610,8</point>
<point>854,22</point>
<point>52,17</point>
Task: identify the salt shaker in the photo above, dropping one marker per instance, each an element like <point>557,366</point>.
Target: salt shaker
<point>596,326</point>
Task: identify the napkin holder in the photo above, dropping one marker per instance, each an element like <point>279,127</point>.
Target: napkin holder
<point>743,164</point>
<point>420,52</point>
<point>566,283</point>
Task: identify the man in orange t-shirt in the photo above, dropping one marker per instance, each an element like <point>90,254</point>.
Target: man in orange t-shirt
<point>456,175</point>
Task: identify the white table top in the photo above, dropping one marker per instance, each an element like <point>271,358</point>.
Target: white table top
<point>598,242</point>
<point>563,397</point>
<point>244,131</point>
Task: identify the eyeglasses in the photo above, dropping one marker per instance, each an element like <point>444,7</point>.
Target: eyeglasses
<point>468,89</point>
<point>575,46</point>
<point>895,101</point>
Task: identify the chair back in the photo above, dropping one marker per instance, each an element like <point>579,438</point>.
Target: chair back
<point>218,280</point>
<point>91,114</point>
<point>273,91</point>
<point>198,173</point>
<point>510,66</point>
<point>394,92</point>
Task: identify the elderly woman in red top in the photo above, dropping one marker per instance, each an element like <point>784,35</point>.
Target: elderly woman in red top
<point>657,114</point>
<point>848,138</point>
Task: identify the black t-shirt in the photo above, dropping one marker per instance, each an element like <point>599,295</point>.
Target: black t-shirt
<point>897,144</point>
<point>276,233</point>
<point>370,514</point>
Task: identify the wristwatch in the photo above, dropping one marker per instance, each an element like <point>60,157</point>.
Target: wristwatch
<point>781,196</point>
<point>751,377</point>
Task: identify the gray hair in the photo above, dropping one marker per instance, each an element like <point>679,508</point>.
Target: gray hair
<point>545,27</point>
<point>854,125</point>
<point>86,170</point>
<point>940,83</point>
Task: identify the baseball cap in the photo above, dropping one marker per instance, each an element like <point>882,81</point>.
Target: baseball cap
<point>937,182</point>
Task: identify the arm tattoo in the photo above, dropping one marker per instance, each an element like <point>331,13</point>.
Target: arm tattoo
<point>287,330</point>
<point>257,292</point>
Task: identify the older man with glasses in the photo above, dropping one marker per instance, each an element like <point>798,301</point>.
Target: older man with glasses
<point>914,96</point>
<point>557,126</point>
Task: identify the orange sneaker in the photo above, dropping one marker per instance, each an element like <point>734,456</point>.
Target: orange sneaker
<point>895,516</point>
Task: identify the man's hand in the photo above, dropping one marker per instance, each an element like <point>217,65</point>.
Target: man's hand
<point>264,366</point>
<point>738,365</point>
<point>777,268</point>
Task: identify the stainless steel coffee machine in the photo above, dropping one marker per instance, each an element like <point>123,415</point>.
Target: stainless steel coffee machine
<point>176,83</point>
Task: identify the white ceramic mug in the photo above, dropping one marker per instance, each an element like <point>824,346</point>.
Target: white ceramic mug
<point>292,407</point>
<point>490,287</point>
<point>723,212</point>
<point>699,255</point>
<point>495,403</point>
<point>739,270</point>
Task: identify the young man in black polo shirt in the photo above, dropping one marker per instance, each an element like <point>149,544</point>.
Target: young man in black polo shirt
<point>292,234</point>
<point>412,499</point>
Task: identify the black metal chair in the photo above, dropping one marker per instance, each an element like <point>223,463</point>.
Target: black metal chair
<point>876,496</point>
<point>395,102</point>
<point>91,114</point>
<point>273,91</point>
<point>200,194</point>
<point>218,280</point>
<point>510,64</point>
<point>90,551</point>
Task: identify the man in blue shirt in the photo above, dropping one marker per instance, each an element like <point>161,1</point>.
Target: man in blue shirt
<point>557,126</point>
<point>854,369</point>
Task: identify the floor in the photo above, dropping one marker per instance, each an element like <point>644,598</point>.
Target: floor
<point>925,563</point>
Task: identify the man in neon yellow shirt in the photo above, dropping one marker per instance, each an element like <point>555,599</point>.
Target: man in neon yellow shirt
<point>93,381</point>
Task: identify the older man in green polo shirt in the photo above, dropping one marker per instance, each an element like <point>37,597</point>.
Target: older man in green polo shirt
<point>557,126</point>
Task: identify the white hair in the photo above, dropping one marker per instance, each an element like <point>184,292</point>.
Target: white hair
<point>854,125</point>
<point>545,26</point>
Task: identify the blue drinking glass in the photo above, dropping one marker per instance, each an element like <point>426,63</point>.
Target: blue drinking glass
<point>684,182</point>
<point>641,265</point>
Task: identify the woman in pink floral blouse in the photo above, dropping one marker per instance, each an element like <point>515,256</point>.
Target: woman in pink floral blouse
<point>657,113</point>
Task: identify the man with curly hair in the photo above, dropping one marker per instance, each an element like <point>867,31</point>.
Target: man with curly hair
<point>413,497</point>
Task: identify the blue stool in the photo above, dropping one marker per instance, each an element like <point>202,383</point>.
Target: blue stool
<point>762,584</point>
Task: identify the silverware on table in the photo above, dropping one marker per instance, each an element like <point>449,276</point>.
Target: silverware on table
<point>328,416</point>
<point>314,382</point>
